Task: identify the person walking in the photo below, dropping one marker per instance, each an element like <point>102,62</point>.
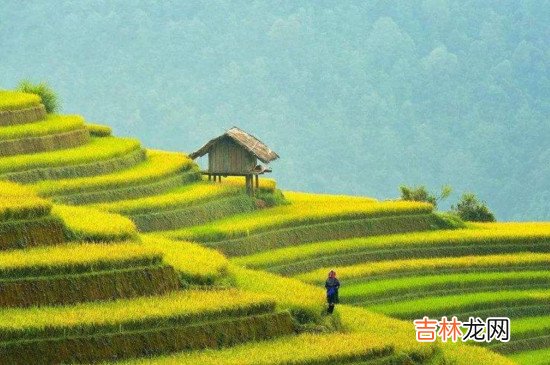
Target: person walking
<point>331,285</point>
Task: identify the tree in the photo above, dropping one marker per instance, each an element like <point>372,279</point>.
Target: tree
<point>421,194</point>
<point>469,208</point>
<point>46,93</point>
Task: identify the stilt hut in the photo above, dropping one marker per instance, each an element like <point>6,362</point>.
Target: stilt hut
<point>236,153</point>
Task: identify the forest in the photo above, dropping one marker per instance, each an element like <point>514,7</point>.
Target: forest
<point>356,97</point>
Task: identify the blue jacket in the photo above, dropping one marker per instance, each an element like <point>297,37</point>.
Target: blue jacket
<point>332,285</point>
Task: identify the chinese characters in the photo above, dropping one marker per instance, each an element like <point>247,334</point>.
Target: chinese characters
<point>476,329</point>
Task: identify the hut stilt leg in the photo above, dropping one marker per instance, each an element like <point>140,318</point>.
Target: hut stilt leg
<point>248,183</point>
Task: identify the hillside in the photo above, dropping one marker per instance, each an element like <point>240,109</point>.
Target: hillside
<point>111,252</point>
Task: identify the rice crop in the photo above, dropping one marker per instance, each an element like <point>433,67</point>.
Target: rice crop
<point>138,190</point>
<point>512,226</point>
<point>152,341</point>
<point>304,349</point>
<point>531,326</point>
<point>265,184</point>
<point>194,263</point>
<point>460,354</point>
<point>14,100</point>
<point>329,250</point>
<point>53,124</point>
<point>532,357</point>
<point>116,283</point>
<point>373,270</point>
<point>158,165</point>
<point>75,258</point>
<point>373,339</point>
<point>98,149</point>
<point>126,314</point>
<point>530,339</point>
<point>394,331</point>
<point>418,286</point>
<point>304,209</point>
<point>98,130</point>
<point>91,168</point>
<point>43,231</point>
<point>181,197</point>
<point>401,335</point>
<point>332,230</point>
<point>304,301</point>
<point>51,142</point>
<point>19,202</point>
<point>462,303</point>
<point>88,224</point>
<point>195,214</point>
<point>515,346</point>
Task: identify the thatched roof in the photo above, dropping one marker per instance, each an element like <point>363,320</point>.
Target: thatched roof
<point>247,141</point>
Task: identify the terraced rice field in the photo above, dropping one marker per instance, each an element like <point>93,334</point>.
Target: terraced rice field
<point>13,100</point>
<point>193,318</point>
<point>88,224</point>
<point>161,171</point>
<point>456,243</point>
<point>304,209</point>
<point>224,278</point>
<point>99,149</point>
<point>199,265</point>
<point>74,257</point>
<point>505,274</point>
<point>18,202</point>
<point>51,125</point>
<point>532,357</point>
<point>99,130</point>
<point>181,197</point>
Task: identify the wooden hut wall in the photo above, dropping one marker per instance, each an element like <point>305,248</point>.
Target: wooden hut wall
<point>226,156</point>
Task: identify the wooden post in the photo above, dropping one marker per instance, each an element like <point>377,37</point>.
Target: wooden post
<point>257,182</point>
<point>248,183</point>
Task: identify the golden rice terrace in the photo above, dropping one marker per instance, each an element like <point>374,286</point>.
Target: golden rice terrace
<point>114,253</point>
